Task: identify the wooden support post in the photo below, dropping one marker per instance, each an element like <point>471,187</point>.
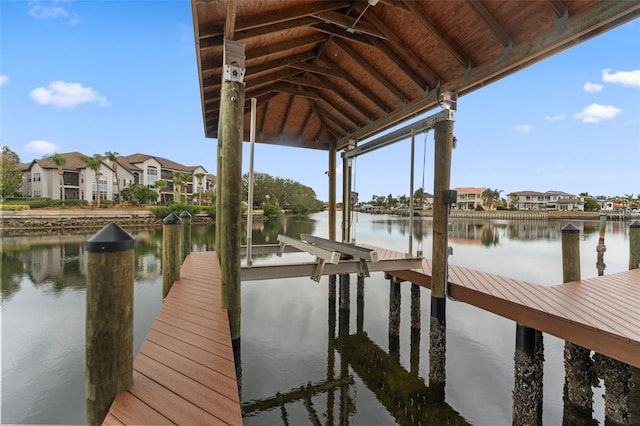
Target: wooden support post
<point>634,245</point>
<point>343,306</point>
<point>219,190</point>
<point>415,307</point>
<point>185,217</point>
<point>331,347</point>
<point>443,136</point>
<point>332,191</point>
<point>332,288</point>
<point>394,316</point>
<point>346,196</point>
<point>171,242</point>
<point>414,352</point>
<point>109,320</point>
<point>579,370</point>
<point>622,381</point>
<point>601,247</point>
<point>360,304</point>
<point>231,181</point>
<point>528,371</point>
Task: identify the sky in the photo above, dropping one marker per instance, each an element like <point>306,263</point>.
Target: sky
<point>97,76</point>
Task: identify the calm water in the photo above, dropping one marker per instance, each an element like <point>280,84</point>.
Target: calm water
<point>294,372</point>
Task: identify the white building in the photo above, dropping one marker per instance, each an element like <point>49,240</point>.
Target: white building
<point>41,178</point>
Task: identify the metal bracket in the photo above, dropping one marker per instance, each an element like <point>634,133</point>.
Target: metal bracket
<point>318,271</point>
<point>233,61</point>
<point>364,269</point>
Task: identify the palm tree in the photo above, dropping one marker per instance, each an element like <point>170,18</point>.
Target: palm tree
<point>60,161</point>
<point>161,184</point>
<point>186,178</point>
<point>94,163</point>
<point>200,176</point>
<point>177,184</point>
<point>489,196</point>
<point>113,158</point>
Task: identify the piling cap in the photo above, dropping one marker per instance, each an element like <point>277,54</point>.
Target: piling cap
<point>111,238</point>
<point>171,219</point>
<point>570,228</point>
<point>185,215</point>
<point>635,224</point>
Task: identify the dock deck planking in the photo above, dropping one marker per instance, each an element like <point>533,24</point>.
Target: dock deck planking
<point>184,372</point>
<point>600,313</point>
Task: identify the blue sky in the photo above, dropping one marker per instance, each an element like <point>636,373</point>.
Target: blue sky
<point>96,76</point>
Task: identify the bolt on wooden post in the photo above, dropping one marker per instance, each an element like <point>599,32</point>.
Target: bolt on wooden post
<point>109,320</point>
<point>171,243</point>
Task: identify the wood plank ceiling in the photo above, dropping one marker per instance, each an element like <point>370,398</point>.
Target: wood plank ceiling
<point>329,71</point>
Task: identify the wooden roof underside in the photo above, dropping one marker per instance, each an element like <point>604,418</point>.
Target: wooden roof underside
<point>318,83</point>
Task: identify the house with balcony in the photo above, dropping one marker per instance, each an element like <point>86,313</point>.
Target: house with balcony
<point>469,198</point>
<point>41,178</point>
<point>550,200</point>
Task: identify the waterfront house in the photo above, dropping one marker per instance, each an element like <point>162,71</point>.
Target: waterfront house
<point>550,200</point>
<point>41,179</point>
<point>469,198</point>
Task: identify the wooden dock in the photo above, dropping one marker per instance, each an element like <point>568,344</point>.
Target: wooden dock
<point>600,313</point>
<point>185,372</point>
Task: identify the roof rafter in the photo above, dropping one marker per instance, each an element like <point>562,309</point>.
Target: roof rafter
<point>369,69</point>
<point>408,57</point>
<point>494,26</point>
<point>428,23</point>
<point>348,100</point>
<point>314,69</point>
<point>337,32</point>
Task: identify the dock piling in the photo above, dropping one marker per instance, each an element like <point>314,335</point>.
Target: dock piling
<point>528,372</point>
<point>171,242</point>
<point>394,316</point>
<point>185,217</point>
<point>580,375</point>
<point>109,319</point>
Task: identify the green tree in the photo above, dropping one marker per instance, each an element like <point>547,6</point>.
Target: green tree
<point>60,161</point>
<point>186,178</point>
<point>94,163</point>
<point>139,192</point>
<point>513,201</point>
<point>177,185</point>
<point>113,158</point>
<point>11,174</point>
<point>591,205</point>
<point>161,184</point>
<point>489,196</point>
<point>200,176</point>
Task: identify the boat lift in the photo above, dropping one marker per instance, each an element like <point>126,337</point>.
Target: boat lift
<point>332,258</point>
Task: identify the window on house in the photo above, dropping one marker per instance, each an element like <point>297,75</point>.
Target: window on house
<point>36,177</point>
<point>152,176</point>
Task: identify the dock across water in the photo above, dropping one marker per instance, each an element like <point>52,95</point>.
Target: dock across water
<point>184,372</point>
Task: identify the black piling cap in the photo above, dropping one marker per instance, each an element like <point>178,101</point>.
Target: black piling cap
<point>111,238</point>
<point>570,228</point>
<point>635,224</point>
<point>171,219</point>
<point>185,215</point>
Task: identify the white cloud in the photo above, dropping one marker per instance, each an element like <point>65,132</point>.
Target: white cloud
<point>626,78</point>
<point>557,117</point>
<point>592,87</point>
<point>523,128</point>
<point>595,113</point>
<point>4,79</point>
<point>63,94</point>
<point>41,147</point>
<point>51,10</point>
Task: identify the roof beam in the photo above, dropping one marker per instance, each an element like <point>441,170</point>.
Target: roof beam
<point>287,111</point>
<point>337,32</point>
<point>497,30</point>
<point>271,18</point>
<point>344,22</point>
<point>305,122</point>
<point>558,7</point>
<point>329,120</point>
<point>375,99</point>
<point>283,88</point>
<point>351,121</point>
<point>369,69</point>
<point>215,62</point>
<point>230,19</point>
<point>306,82</point>
<point>314,69</point>
<point>408,57</point>
<point>428,23</point>
<point>347,99</point>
